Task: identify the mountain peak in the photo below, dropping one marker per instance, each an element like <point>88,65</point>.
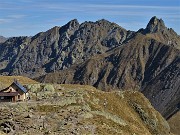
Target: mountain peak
<point>103,20</point>
<point>73,23</point>
<point>155,25</point>
<point>70,27</point>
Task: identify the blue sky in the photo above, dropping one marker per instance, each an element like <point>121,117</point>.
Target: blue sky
<point>28,17</point>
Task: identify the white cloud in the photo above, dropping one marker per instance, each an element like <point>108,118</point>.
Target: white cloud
<point>5,21</point>
<point>134,7</point>
<point>11,18</point>
<point>104,10</point>
<point>16,16</point>
<point>79,7</point>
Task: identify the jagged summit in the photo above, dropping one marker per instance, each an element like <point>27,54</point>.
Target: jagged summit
<point>156,29</point>
<point>155,25</point>
<point>73,23</point>
<point>60,47</point>
<point>103,21</point>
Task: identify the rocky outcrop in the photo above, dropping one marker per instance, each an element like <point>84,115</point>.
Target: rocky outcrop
<point>155,25</point>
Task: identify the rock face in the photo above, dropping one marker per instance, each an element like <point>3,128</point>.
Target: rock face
<point>155,25</point>
<point>59,47</point>
<point>104,55</point>
<point>78,109</point>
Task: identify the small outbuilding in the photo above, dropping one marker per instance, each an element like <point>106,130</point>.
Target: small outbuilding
<point>15,92</point>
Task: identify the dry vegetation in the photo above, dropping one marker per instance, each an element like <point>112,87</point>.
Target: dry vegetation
<point>174,123</point>
<point>81,109</point>
<point>5,81</point>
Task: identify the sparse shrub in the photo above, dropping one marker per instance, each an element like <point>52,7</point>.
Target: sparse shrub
<point>33,87</point>
<point>48,87</point>
<point>152,123</point>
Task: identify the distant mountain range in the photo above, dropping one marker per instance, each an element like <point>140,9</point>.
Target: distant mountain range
<point>104,55</point>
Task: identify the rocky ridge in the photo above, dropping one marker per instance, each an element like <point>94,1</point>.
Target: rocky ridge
<point>59,47</point>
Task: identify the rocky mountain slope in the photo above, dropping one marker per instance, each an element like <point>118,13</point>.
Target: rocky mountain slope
<point>59,47</point>
<point>155,70</point>
<point>78,109</point>
<point>143,62</point>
